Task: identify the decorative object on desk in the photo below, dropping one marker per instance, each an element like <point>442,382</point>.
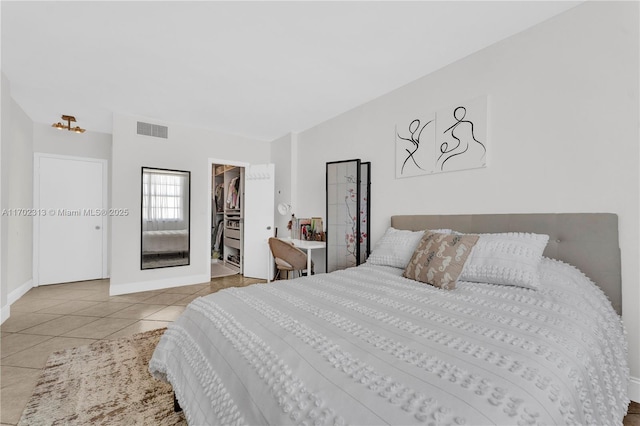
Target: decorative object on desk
<point>304,225</point>
<point>306,229</point>
<point>290,225</point>
<point>317,229</point>
<point>348,206</point>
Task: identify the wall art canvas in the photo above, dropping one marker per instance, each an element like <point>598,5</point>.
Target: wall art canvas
<point>415,146</point>
<point>461,136</point>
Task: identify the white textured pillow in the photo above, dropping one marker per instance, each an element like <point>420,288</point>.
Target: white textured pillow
<point>396,247</point>
<point>508,259</point>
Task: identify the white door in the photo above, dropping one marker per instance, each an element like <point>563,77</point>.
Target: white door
<point>259,194</point>
<point>69,232</point>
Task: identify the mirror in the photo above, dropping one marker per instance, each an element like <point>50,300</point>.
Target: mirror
<point>165,218</point>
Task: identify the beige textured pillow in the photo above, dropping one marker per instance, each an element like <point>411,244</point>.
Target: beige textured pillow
<point>439,258</point>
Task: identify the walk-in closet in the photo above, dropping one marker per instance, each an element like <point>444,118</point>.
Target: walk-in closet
<point>227,219</point>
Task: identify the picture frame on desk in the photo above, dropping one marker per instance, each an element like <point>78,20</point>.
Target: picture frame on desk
<point>316,225</point>
<point>304,229</point>
<point>307,229</point>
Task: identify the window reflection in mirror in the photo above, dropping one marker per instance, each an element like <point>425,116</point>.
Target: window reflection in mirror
<point>165,218</point>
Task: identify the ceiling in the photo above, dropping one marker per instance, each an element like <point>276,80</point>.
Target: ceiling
<point>256,69</point>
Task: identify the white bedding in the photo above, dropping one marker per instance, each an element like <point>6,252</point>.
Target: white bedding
<point>367,346</point>
<point>168,241</point>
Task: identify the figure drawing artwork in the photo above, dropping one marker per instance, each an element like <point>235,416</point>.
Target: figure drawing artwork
<point>415,140</point>
<point>454,138</point>
<point>461,136</point>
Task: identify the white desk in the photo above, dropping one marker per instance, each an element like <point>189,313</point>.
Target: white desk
<point>307,246</point>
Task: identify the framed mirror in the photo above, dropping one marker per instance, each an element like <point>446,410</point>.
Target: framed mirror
<point>165,218</point>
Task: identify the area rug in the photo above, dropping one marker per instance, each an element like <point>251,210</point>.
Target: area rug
<point>105,383</point>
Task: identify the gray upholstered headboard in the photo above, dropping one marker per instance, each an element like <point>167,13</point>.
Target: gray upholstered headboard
<point>588,241</point>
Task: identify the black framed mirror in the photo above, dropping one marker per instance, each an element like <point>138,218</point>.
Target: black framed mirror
<point>165,218</point>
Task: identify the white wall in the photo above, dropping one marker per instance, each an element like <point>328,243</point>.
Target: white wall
<point>563,135</point>
<point>47,139</point>
<point>17,193</point>
<point>5,119</point>
<point>281,157</point>
<point>21,137</point>
<point>187,148</point>
<point>20,196</point>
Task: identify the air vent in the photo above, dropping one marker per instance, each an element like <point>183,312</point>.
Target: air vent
<point>154,130</point>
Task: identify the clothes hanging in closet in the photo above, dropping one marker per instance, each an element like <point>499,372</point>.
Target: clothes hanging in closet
<point>233,199</point>
<point>219,197</point>
<point>219,231</point>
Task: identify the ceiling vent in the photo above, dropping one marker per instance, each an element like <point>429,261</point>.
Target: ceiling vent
<point>154,130</point>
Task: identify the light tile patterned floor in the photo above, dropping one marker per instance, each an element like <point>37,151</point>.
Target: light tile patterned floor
<point>56,317</point>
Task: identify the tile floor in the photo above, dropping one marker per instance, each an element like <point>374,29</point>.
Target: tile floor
<point>56,317</point>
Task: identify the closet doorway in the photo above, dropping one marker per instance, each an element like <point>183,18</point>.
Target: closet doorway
<point>227,219</point>
<point>242,217</point>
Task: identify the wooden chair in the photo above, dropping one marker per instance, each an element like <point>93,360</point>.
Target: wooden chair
<point>288,257</point>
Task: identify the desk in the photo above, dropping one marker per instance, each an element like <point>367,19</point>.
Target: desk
<point>307,246</point>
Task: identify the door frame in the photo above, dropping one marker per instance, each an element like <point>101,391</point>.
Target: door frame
<point>36,207</point>
<point>210,164</point>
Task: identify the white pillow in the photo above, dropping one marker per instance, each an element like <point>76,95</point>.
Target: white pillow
<point>508,259</point>
<point>396,247</point>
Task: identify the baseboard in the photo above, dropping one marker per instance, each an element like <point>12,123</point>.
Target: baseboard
<point>19,292</point>
<point>634,389</point>
<point>5,311</point>
<point>136,287</point>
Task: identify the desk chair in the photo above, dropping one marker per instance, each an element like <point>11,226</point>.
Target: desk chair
<point>288,257</point>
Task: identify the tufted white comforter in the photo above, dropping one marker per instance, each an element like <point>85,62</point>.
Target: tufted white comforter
<point>366,346</point>
<point>168,241</point>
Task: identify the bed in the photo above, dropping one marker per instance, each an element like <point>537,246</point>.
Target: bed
<point>370,346</point>
<point>167,241</point>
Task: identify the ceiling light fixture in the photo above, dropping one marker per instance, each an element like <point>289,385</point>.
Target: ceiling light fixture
<point>68,119</point>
